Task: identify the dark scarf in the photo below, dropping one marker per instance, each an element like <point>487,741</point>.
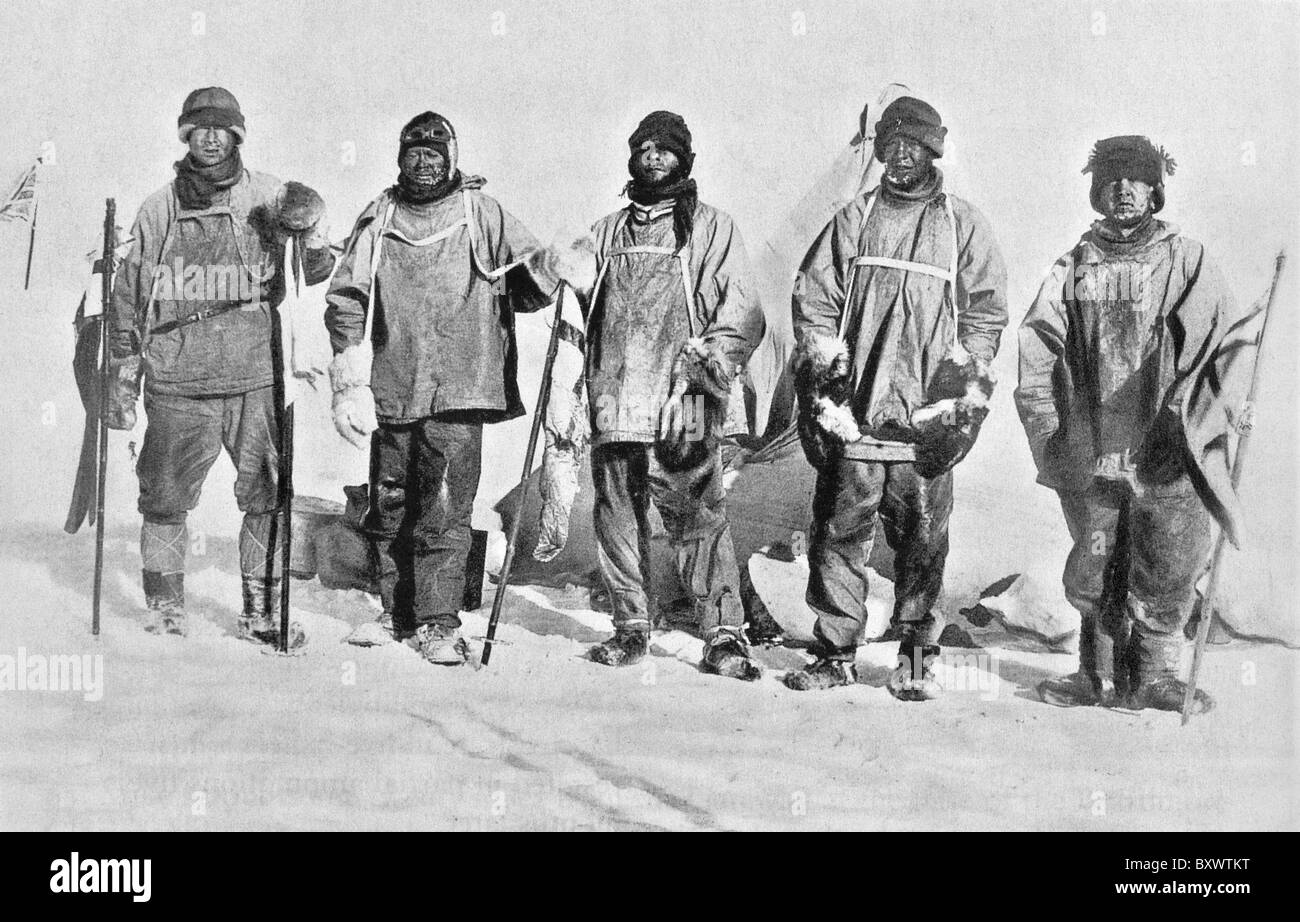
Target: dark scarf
<point>926,189</point>
<point>1109,239</point>
<point>685,197</point>
<point>410,193</point>
<point>457,183</point>
<point>197,186</point>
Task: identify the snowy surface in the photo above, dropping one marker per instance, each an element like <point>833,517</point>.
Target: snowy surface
<point>208,733</point>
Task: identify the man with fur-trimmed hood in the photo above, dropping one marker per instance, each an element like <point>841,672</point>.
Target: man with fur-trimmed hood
<point>1119,399</point>
<point>423,334</point>
<point>192,312</point>
<point>898,311</point>
<point>672,320</point>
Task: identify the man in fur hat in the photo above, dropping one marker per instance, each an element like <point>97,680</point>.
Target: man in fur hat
<point>673,319</point>
<point>898,312</point>
<point>192,312</point>
<point>425,268</point>
<point>1111,353</point>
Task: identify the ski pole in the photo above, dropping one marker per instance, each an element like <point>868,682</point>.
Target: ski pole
<point>106,294</point>
<point>1244,428</point>
<point>543,398</point>
<point>286,445</point>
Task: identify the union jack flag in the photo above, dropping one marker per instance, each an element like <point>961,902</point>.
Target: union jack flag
<point>20,204</point>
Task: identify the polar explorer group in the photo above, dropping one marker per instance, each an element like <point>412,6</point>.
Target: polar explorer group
<point>898,311</point>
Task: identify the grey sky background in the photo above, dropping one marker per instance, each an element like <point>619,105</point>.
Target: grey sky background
<point>544,95</point>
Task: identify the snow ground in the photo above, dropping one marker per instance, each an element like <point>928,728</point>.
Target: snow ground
<point>208,733</point>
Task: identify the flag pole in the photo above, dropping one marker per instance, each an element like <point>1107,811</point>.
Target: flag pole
<point>31,239</point>
<point>1244,427</point>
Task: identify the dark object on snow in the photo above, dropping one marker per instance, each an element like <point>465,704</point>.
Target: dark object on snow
<point>913,679</point>
<point>954,635</point>
<point>1079,690</point>
<point>330,543</point>
<point>625,648</point>
<point>725,655</point>
<point>823,674</point>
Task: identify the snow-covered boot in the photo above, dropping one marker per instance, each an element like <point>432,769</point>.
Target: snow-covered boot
<point>1158,660</point>
<point>164,597</point>
<point>725,654</point>
<point>259,622</point>
<point>913,679</point>
<point>625,648</point>
<point>442,646</point>
<point>261,570</point>
<point>162,557</point>
<point>1102,679</point>
<point>822,674</point>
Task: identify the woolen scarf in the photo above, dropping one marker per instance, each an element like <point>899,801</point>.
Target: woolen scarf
<point>197,186</point>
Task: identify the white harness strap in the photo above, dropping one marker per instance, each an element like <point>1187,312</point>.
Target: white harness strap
<point>467,222</point>
<point>377,249</point>
<point>906,266</point>
<point>679,255</point>
<point>427,241</point>
<point>948,275</point>
<point>492,274</point>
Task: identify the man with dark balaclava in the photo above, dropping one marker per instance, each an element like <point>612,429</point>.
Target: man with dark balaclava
<point>672,320</point>
<point>425,355</point>
<point>192,312</point>
<point>1111,353</point>
<point>898,311</point>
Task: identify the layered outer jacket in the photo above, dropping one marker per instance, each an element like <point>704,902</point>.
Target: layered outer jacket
<point>898,323</point>
<point>639,320</point>
<point>1121,373</point>
<point>444,332</point>
<point>183,262</point>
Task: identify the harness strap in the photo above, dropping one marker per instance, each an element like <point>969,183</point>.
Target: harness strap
<point>490,274</point>
<point>185,321</point>
<point>904,265</point>
<point>377,249</point>
<point>949,275</point>
<point>678,254</point>
<point>427,241</point>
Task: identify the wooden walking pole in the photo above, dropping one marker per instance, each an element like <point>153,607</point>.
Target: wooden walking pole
<point>1245,427</point>
<point>539,412</point>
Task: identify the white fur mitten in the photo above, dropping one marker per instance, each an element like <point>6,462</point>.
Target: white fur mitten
<point>354,402</point>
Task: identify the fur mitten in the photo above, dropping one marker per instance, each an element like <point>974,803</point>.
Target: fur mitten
<point>948,425</point>
<point>354,402</point>
<point>299,209</point>
<point>690,419</point>
<point>823,383</point>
